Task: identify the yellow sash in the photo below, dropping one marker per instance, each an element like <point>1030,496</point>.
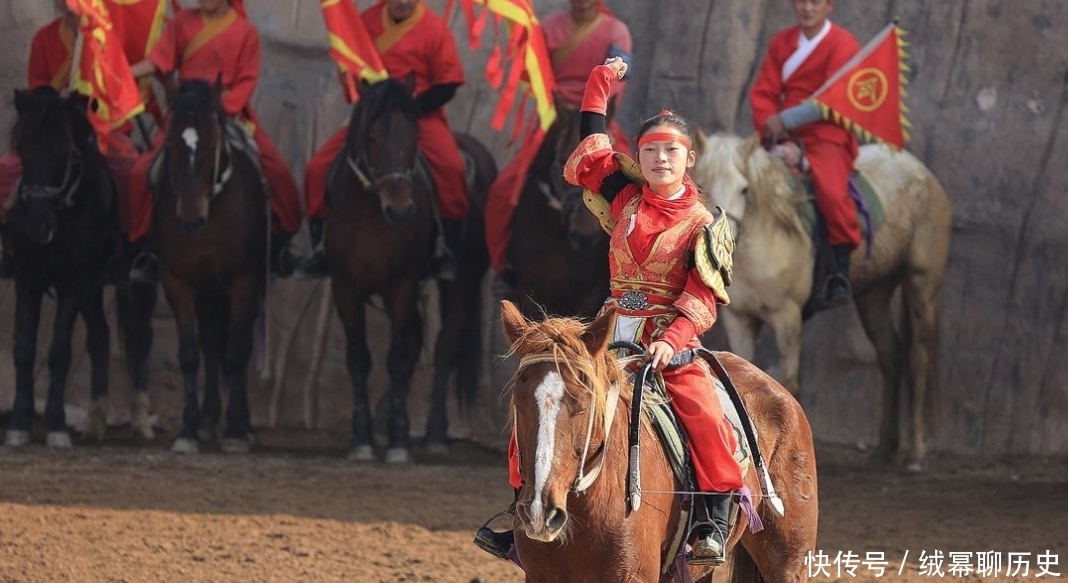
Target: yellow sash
<point>212,27</point>
<point>394,31</point>
<point>579,34</point>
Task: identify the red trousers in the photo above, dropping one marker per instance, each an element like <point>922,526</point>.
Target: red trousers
<point>120,159</point>
<point>438,146</point>
<point>504,194</point>
<point>712,440</point>
<point>832,165</point>
<point>285,196</point>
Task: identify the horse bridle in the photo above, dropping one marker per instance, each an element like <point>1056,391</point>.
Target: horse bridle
<point>66,189</point>
<point>371,180</point>
<point>583,480</point>
<point>219,177</point>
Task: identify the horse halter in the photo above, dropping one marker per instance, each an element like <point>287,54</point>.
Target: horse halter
<point>583,480</point>
<point>371,180</point>
<point>66,189</point>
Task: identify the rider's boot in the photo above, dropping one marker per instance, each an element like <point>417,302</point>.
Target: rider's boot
<point>144,268</point>
<point>838,290</point>
<point>282,258</point>
<point>497,543</point>
<point>314,265</point>
<point>7,258</point>
<point>443,265</point>
<point>712,535</point>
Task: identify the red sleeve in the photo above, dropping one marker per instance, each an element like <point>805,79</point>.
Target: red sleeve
<point>697,313</point>
<point>246,74</point>
<point>591,162</point>
<point>164,55</point>
<point>38,72</point>
<point>767,89</point>
<point>445,65</point>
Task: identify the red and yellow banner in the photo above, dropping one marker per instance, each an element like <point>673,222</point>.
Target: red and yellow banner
<point>351,46</point>
<point>865,94</point>
<point>139,23</point>
<point>101,71</point>
<point>530,66</point>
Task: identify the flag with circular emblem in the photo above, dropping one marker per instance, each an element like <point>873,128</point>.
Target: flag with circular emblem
<point>865,94</point>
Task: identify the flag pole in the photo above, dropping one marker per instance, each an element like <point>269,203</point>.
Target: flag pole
<point>76,60</point>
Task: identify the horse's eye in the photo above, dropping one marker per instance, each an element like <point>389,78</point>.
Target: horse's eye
<point>745,191</point>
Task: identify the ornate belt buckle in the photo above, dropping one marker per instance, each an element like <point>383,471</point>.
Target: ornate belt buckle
<point>634,300</point>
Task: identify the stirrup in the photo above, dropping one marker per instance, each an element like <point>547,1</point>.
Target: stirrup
<point>443,267</point>
<point>495,543</point>
<point>313,266</point>
<point>144,268</point>
<point>708,550</point>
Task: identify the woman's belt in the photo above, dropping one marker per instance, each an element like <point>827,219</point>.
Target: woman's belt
<point>632,302</point>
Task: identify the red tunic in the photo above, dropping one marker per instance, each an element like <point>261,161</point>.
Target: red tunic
<point>202,48</point>
<point>422,44</point>
<point>651,241</point>
<point>830,149</point>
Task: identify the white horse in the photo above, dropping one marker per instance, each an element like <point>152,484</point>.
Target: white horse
<point>773,265</point>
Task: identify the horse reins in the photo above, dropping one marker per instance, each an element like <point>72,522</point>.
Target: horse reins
<point>584,480</point>
<point>367,182</point>
<point>66,189</point>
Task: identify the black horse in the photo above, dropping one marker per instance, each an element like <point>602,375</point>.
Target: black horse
<point>558,250</point>
<point>62,230</point>
<point>211,228</point>
<point>380,234</point>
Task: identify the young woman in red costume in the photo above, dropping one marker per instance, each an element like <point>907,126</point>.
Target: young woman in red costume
<point>663,302</point>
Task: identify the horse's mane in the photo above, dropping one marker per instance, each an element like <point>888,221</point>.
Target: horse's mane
<point>194,104</point>
<point>43,121</point>
<point>375,100</point>
<point>562,338</point>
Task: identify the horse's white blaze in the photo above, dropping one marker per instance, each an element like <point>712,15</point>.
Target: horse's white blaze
<point>548,396</point>
<point>189,135</point>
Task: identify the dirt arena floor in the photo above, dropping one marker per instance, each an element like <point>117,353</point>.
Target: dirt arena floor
<point>296,510</point>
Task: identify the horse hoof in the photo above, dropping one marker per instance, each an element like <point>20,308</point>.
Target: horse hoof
<point>362,453</point>
<point>916,468</point>
<point>140,418</point>
<point>17,438</point>
<point>437,449</point>
<point>235,445</point>
<point>185,445</point>
<point>58,439</point>
<point>397,455</point>
<point>206,435</point>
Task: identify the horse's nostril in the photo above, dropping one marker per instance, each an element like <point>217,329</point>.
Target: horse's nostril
<point>556,519</point>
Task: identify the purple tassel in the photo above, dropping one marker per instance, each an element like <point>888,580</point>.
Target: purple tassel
<point>745,501</point>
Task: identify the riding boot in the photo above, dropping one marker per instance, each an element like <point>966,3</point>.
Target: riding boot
<point>145,265</point>
<point>314,265</point>
<point>838,291</point>
<point>497,543</point>
<point>7,258</point>
<point>282,259</point>
<point>443,265</point>
<point>712,535</point>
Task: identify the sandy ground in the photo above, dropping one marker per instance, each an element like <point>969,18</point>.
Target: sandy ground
<point>296,510</point>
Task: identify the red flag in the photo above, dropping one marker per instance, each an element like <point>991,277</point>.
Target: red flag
<point>526,54</point>
<point>139,23</point>
<point>101,71</point>
<point>865,94</point>
<point>351,46</point>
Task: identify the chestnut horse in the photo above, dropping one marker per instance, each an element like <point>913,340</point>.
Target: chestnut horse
<point>773,268</point>
<point>211,226</point>
<point>558,250</point>
<point>380,234</point>
<point>560,395</point>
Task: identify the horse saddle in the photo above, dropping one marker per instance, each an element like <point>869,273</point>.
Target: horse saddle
<point>239,140</point>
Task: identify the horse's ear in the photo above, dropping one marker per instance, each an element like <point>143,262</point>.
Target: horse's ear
<point>596,334</point>
<point>700,142</point>
<point>512,321</point>
<point>751,144</point>
<point>409,82</point>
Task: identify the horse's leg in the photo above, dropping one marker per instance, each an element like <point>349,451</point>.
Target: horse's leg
<point>180,296</point>
<point>27,319</point>
<point>873,307</point>
<point>244,295</point>
<point>98,345</point>
<point>211,335</point>
<point>406,341</point>
<point>68,303</point>
<point>447,351</point>
<point>786,323</point>
<point>135,306</point>
<point>350,310</point>
<point>921,290</point>
<point>741,331</point>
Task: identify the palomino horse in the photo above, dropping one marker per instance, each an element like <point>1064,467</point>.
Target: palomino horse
<point>211,226</point>
<point>560,395</point>
<point>380,233</point>
<point>558,248</point>
<point>774,257</point>
<point>63,227</point>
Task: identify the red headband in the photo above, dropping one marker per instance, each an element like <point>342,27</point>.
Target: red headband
<point>670,136</point>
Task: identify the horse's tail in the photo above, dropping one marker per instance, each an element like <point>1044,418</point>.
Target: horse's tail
<point>743,568</point>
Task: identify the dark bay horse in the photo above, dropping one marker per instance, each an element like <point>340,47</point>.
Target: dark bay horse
<point>560,395</point>
<point>558,250</point>
<point>62,233</point>
<point>380,233</point>
<point>211,225</point>
<point>773,270</point>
